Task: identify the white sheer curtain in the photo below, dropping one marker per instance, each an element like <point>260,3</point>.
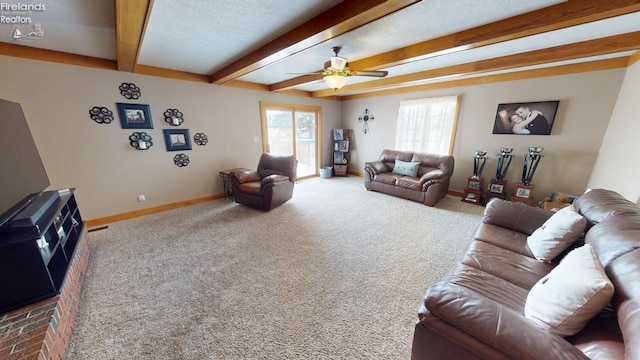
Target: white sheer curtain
<point>427,125</point>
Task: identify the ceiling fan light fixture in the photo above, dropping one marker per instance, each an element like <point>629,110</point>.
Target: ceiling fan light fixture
<point>335,81</point>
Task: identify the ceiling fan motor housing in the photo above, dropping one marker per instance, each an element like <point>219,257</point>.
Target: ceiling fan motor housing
<point>338,63</point>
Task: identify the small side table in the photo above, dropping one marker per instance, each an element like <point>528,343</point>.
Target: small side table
<point>226,181</point>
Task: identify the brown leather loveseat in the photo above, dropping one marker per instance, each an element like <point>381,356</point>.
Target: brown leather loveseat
<point>428,184</point>
<point>478,311</point>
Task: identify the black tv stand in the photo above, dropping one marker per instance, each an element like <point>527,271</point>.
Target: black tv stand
<point>36,247</point>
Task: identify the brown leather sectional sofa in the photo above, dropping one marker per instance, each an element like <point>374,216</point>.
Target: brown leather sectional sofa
<point>430,184</point>
<point>477,312</point>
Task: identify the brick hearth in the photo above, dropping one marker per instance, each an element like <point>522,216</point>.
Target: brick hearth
<point>42,331</point>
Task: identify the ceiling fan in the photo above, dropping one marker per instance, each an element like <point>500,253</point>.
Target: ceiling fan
<point>336,71</point>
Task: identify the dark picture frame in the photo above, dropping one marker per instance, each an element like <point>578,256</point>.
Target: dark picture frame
<point>338,134</point>
<point>496,188</point>
<point>526,118</point>
<point>177,139</point>
<point>134,116</point>
<point>523,192</point>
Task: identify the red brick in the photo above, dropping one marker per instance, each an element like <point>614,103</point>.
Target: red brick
<point>24,336</point>
<point>30,341</point>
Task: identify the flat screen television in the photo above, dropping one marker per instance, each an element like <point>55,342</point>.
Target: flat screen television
<point>22,175</point>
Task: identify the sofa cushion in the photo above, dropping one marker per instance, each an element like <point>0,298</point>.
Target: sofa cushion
<point>406,168</point>
<point>387,178</point>
<point>575,291</point>
<point>558,233</point>
<point>520,270</point>
<point>409,183</point>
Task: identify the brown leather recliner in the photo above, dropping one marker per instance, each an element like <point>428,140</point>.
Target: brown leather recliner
<point>271,185</point>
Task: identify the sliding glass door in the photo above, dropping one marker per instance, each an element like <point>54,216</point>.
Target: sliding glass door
<point>292,129</point>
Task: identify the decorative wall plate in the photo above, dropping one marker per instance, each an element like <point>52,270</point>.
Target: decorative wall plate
<point>181,160</point>
<point>173,117</point>
<point>200,139</point>
<point>130,91</point>
<point>101,115</point>
<point>141,140</point>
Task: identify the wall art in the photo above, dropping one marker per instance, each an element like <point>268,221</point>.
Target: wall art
<point>141,140</point>
<point>134,116</point>
<point>101,115</point>
<point>200,139</point>
<point>173,117</point>
<point>177,139</point>
<point>181,160</point>
<point>130,91</point>
<point>365,118</point>
<point>526,118</point>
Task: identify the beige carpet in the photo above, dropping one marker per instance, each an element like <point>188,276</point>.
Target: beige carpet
<point>335,273</point>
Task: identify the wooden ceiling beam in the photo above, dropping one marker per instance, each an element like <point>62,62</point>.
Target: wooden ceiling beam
<point>131,22</point>
<point>340,19</point>
<point>602,46</point>
<point>597,65</point>
<point>28,52</point>
<point>551,18</point>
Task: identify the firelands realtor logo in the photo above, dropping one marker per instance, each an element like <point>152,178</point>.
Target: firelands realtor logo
<point>21,17</point>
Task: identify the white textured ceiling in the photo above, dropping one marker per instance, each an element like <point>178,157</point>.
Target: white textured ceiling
<point>204,36</point>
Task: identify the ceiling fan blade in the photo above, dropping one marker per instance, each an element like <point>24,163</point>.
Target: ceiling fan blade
<point>309,73</point>
<point>369,73</point>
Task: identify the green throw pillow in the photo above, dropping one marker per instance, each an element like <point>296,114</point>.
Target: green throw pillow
<point>406,168</point>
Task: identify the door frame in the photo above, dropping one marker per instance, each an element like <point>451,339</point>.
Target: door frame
<point>264,105</point>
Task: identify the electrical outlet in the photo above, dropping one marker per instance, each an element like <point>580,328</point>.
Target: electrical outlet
<point>141,198</point>
<point>256,139</point>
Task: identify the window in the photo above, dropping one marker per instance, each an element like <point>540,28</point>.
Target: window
<point>427,125</point>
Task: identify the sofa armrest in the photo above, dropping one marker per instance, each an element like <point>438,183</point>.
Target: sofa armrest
<point>515,216</point>
<point>376,167</point>
<point>275,179</point>
<point>496,325</point>
<point>435,174</point>
<point>243,176</point>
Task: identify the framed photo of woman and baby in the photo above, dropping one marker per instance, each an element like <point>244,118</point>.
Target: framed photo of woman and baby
<point>526,118</point>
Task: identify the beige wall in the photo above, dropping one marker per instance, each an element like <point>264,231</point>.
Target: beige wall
<point>618,167</point>
<point>97,158</point>
<point>586,103</point>
<point>109,174</point>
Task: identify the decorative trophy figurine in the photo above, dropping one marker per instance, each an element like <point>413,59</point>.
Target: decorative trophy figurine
<point>473,192</point>
<point>497,186</point>
<point>531,161</point>
<point>505,155</point>
<point>524,190</point>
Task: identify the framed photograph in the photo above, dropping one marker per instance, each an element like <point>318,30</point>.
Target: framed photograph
<point>526,118</point>
<point>496,188</point>
<point>336,146</point>
<point>134,116</point>
<point>523,192</point>
<point>338,157</point>
<point>337,134</point>
<point>343,146</point>
<point>475,185</point>
<point>177,139</point>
